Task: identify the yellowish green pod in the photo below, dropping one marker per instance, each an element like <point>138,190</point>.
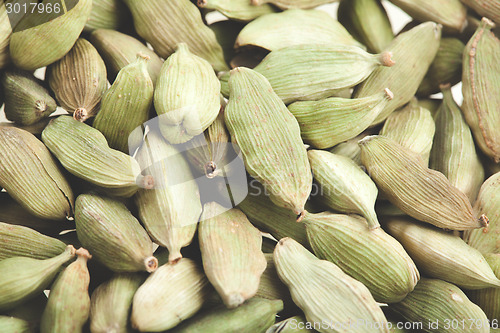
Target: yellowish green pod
<point>489,299</point>
<point>240,10</point>
<point>10,324</point>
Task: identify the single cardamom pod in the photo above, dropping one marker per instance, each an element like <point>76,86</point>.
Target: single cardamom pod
<point>420,192</point>
<point>107,14</point>
<point>489,299</point>
<point>344,186</point>
<point>24,278</point>
<point>68,306</point>
<point>118,50</point>
<point>368,22</point>
<point>5,33</point>
<point>165,24</point>
<point>441,255</point>
<point>487,203</point>
<point>84,152</point>
<point>10,324</point>
<point>412,127</point>
<point>276,31</point>
<point>413,52</point>
<point>171,209</point>
<point>231,252</point>
<point>445,68</point>
<point>286,4</point>
<point>48,41</point>
<point>330,121</point>
<point>115,237</point>
<point>187,96</point>
<point>240,10</point>
<point>453,150</point>
<point>170,295</point>
<point>269,139</point>
<point>295,324</point>
<point>271,287</point>
<point>111,302</point>
<point>488,8</point>
<point>370,256</point>
<point>254,316</point>
<point>481,68</point>
<point>435,303</point>
<point>125,106</point>
<point>32,177</point>
<point>19,241</point>
<point>324,292</point>
<point>79,80</point>
<point>314,72</point>
<point>27,101</point>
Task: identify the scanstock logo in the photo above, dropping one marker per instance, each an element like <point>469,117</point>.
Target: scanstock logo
<point>25,14</point>
<point>216,169</point>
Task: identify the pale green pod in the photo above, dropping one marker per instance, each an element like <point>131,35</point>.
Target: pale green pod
<point>453,151</point>
<point>231,252</point>
<point>276,31</point>
<point>451,14</point>
<point>413,52</point>
<point>488,8</point>
<point>113,235</point>
<point>19,241</point>
<point>118,50</point>
<point>441,255</point>
<point>240,10</point>
<point>370,256</point>
<point>439,306</point>
<point>170,295</point>
<point>286,4</point>
<point>420,192</point>
<point>14,325</point>
<point>487,203</point>
<point>84,152</point>
<point>489,299</point>
<point>107,14</point>
<point>24,278</point>
<point>169,210</point>
<point>269,139</point>
<point>295,324</point>
<point>111,302</point>
<point>5,33</point>
<point>187,96</point>
<point>68,306</point>
<point>413,128</point>
<point>344,186</point>
<point>32,177</point>
<point>333,120</point>
<point>323,291</point>
<point>165,24</point>
<point>368,22</point>
<point>125,106</point>
<point>79,80</point>
<point>314,72</point>
<point>480,84</point>
<point>49,41</point>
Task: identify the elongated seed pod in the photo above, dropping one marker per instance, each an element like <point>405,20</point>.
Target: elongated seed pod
<point>32,177</point>
<point>422,193</point>
<point>488,8</point>
<point>113,234</point>
<point>14,325</point>
<point>258,120</point>
<point>241,10</point>
<point>107,14</point>
<point>79,80</point>
<point>489,299</point>
<point>285,4</point>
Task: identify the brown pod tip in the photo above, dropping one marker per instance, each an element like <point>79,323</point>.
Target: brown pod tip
<point>301,216</point>
<point>202,3</point>
<point>147,182</point>
<point>41,106</point>
<point>143,56</point>
<point>483,219</point>
<point>81,114</point>
<point>386,59</point>
<point>151,264</point>
<point>210,169</point>
<point>255,2</point>
<point>83,254</point>
<point>488,22</point>
<point>444,86</point>
<point>71,249</point>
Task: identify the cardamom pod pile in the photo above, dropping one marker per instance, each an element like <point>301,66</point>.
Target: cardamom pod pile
<point>249,166</point>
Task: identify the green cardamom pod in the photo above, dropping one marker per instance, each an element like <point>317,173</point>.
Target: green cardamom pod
<point>49,41</point>
<point>481,69</point>
<point>32,177</point>
<point>330,121</point>
<point>269,139</point>
<point>79,80</point>
<point>5,33</point>
<point>489,299</point>
<point>276,31</point>
<point>115,237</point>
<point>413,52</point>
<point>368,22</point>
<point>442,255</point>
<point>68,306</point>
<point>125,106</point>
<point>24,278</point>
<point>187,96</point>
<point>27,101</point>
<point>14,325</point>
<point>420,192</point>
<point>118,50</point>
<point>107,14</point>
<point>488,8</point>
<point>173,293</point>
<point>324,292</point>
<point>240,10</point>
<point>165,24</point>
<point>285,4</point>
